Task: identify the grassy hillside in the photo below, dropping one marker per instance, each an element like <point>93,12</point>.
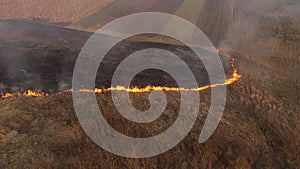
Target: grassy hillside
<point>260,125</point>
<point>55,11</point>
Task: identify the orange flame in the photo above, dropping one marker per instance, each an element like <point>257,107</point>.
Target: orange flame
<point>218,51</point>
<point>7,95</point>
<point>34,94</point>
<point>29,93</point>
<point>234,77</point>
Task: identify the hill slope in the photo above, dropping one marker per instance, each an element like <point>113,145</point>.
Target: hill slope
<point>55,11</point>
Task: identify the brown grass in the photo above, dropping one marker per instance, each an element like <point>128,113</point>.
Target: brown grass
<point>259,129</point>
<point>256,131</point>
<point>57,11</point>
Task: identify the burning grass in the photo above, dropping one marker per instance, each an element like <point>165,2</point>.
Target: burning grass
<point>233,78</point>
<point>44,132</point>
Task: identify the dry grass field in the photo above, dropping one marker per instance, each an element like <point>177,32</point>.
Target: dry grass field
<point>260,125</point>
<point>55,11</point>
<point>256,131</point>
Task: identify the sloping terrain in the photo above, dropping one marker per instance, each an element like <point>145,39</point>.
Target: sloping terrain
<point>256,131</point>
<point>55,11</point>
<point>233,20</point>
<point>124,7</point>
<point>41,58</point>
<point>260,126</point>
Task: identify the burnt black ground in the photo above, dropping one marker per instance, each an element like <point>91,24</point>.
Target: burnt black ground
<point>42,58</point>
<point>259,128</point>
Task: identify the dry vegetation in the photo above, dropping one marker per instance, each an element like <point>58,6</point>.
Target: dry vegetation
<point>56,11</point>
<point>256,131</point>
<point>259,129</point>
